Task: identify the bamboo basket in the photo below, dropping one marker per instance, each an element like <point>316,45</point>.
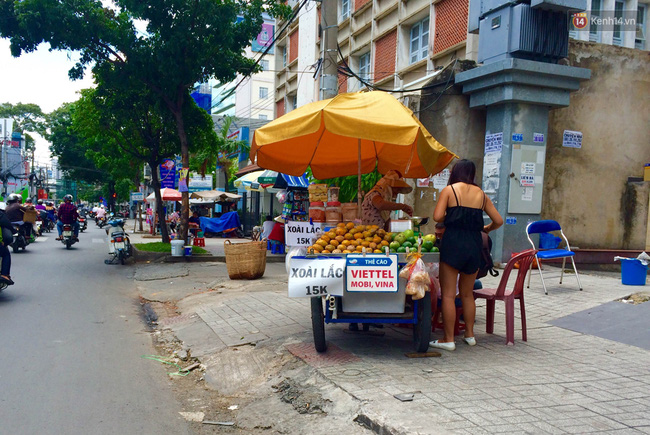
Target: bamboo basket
<point>245,260</point>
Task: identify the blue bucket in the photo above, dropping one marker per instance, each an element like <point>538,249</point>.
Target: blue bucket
<point>188,251</point>
<point>633,272</point>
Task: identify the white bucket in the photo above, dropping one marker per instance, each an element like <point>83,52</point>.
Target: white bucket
<point>177,248</point>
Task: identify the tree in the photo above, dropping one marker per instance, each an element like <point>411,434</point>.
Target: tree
<point>186,42</point>
<point>217,152</point>
<point>27,118</point>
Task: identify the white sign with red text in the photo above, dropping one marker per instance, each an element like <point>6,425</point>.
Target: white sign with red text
<point>371,273</point>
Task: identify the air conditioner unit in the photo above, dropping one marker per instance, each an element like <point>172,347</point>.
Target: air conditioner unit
<point>147,172</point>
<point>521,31</point>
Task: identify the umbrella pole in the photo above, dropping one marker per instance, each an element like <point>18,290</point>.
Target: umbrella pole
<point>359,180</point>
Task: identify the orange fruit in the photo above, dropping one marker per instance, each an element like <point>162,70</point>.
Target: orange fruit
<point>322,243</point>
<point>336,251</point>
<point>368,239</point>
<point>358,236</point>
<point>349,225</point>
<point>317,248</point>
<point>340,225</point>
<point>349,236</point>
<point>325,251</point>
<point>365,244</point>
<point>381,232</point>
<point>341,231</point>
<point>383,243</point>
<point>388,237</point>
<point>377,251</point>
<point>372,245</point>
<point>334,242</point>
<point>347,252</point>
<point>330,248</point>
<point>332,234</point>
<point>339,238</point>
<point>376,239</point>
<point>325,237</point>
<point>361,227</point>
<point>359,248</point>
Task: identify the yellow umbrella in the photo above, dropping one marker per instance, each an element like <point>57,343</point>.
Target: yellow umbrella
<point>347,135</point>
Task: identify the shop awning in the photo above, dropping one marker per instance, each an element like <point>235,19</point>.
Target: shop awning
<point>249,182</point>
<point>248,169</point>
<point>284,181</point>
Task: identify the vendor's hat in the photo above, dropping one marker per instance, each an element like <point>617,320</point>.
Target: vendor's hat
<point>280,219</point>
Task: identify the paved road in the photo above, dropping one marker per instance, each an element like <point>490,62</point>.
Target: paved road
<point>71,342</point>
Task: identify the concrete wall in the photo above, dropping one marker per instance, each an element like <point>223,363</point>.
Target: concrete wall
<point>587,189</point>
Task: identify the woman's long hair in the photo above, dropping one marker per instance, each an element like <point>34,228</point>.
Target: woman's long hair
<point>463,171</point>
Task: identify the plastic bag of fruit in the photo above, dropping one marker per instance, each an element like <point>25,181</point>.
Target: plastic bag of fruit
<point>419,281</point>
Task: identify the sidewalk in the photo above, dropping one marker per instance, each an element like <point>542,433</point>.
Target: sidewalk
<point>214,245</point>
<point>559,381</point>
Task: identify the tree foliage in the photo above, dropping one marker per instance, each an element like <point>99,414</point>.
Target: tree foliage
<point>185,42</point>
<point>27,118</point>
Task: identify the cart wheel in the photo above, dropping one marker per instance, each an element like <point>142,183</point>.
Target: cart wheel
<point>422,330</point>
<point>318,324</point>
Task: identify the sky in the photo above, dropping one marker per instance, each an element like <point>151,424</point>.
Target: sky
<point>40,78</point>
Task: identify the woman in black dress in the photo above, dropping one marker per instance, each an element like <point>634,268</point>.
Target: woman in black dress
<point>461,206</point>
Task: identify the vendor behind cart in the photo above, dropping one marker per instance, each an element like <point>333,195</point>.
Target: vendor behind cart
<point>380,201</point>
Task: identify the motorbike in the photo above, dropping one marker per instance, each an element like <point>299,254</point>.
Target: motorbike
<point>101,221</point>
<point>68,238</point>
<point>83,224</point>
<point>119,244</point>
<point>38,227</point>
<point>20,241</point>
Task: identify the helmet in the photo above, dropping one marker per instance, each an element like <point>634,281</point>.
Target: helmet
<point>68,197</point>
<point>40,201</point>
<point>14,197</point>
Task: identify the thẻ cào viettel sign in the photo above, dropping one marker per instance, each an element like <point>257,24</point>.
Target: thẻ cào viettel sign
<point>371,273</point>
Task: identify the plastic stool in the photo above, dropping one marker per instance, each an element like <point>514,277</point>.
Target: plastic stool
<point>268,245</point>
<point>436,322</point>
<point>277,247</point>
<point>199,241</point>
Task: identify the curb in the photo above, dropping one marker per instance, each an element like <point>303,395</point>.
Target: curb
<point>163,257</point>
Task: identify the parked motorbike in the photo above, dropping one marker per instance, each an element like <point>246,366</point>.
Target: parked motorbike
<point>83,224</point>
<point>119,245</point>
<point>68,238</point>
<point>20,241</point>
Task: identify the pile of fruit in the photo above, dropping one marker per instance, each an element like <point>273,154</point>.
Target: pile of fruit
<point>400,241</point>
<point>348,238</point>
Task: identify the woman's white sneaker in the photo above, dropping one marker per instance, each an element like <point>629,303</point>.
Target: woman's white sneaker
<point>470,340</point>
<point>444,346</point>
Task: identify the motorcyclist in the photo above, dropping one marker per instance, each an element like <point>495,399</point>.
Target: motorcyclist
<point>51,212</point>
<point>15,212</point>
<point>5,254</point>
<point>67,215</point>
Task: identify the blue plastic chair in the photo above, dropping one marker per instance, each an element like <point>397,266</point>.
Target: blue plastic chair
<point>547,226</point>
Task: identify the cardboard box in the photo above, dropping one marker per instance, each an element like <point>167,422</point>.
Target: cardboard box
<point>30,216</point>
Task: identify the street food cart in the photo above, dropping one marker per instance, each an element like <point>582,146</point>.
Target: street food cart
<point>351,134</point>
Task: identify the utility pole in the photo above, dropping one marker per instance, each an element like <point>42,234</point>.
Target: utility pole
<point>329,83</point>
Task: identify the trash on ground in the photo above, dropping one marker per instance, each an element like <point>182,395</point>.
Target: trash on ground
<point>405,397</point>
<point>220,423</point>
<point>193,416</point>
<point>233,407</point>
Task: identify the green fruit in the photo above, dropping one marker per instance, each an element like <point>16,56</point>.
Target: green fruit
<point>435,249</point>
<point>393,251</point>
<point>394,245</point>
<point>430,238</point>
<point>400,238</point>
<point>427,245</point>
<point>401,249</point>
<point>393,235</point>
<point>408,233</point>
<point>407,244</point>
<point>413,240</point>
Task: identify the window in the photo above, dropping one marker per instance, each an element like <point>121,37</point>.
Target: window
<point>264,92</point>
<point>594,30</point>
<point>618,16</point>
<point>263,117</point>
<point>639,39</point>
<point>364,67</point>
<point>264,64</point>
<point>284,57</point>
<point>419,41</point>
<point>345,10</point>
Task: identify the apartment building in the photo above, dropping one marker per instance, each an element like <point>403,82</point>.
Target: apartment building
<point>616,22</point>
<point>251,97</point>
<point>393,44</point>
<point>399,45</point>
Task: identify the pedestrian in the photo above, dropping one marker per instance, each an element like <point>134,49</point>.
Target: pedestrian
<point>461,206</point>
